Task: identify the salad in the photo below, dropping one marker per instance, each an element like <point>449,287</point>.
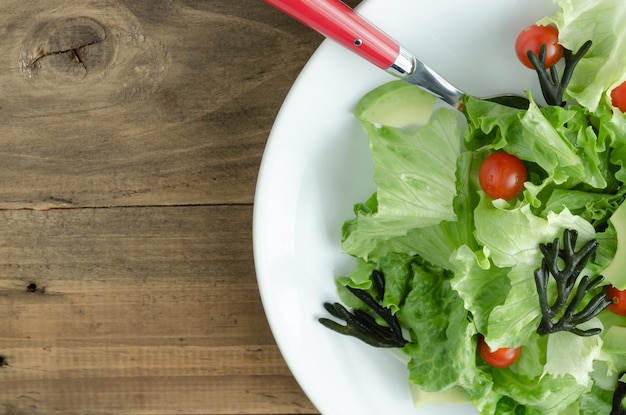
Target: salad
<point>490,254</point>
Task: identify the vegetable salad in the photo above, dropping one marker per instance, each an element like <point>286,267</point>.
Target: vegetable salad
<point>459,261</point>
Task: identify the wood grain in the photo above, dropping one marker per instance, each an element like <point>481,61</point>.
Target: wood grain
<point>177,115</point>
<point>131,133</point>
<point>136,310</point>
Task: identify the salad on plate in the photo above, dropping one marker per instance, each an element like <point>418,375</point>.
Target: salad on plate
<point>492,255</point>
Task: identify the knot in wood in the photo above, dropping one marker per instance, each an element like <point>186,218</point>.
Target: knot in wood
<point>72,47</point>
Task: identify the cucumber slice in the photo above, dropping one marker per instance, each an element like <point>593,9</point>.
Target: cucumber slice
<point>396,104</point>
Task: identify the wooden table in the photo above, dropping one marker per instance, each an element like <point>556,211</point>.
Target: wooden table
<point>131,133</point>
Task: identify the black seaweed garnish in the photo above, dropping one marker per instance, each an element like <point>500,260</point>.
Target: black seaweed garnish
<point>618,398</point>
<point>552,87</point>
<point>564,314</point>
<point>362,325</point>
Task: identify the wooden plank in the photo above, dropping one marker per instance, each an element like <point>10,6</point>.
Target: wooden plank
<point>172,107</point>
<point>200,396</point>
<point>136,311</point>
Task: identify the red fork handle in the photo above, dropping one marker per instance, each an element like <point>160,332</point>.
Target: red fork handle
<point>336,21</point>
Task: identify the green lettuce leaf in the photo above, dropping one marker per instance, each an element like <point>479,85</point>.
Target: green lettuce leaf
<point>602,68</point>
<point>415,171</point>
<point>595,402</point>
<point>512,234</point>
<point>445,357</point>
<point>517,318</point>
<point>438,359</point>
<point>569,354</point>
<point>540,396</point>
<point>480,284</point>
<point>371,237</point>
<point>613,129</point>
<point>559,140</point>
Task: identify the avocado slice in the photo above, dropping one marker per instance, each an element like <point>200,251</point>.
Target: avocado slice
<point>615,272</point>
<point>396,104</point>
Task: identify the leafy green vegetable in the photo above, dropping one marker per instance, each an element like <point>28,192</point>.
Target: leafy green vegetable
<point>568,354</point>
<point>480,284</point>
<point>412,203</point>
<point>602,68</point>
<point>559,140</point>
<point>415,172</point>
<point>458,264</point>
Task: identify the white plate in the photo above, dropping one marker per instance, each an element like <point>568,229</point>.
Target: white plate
<point>317,165</point>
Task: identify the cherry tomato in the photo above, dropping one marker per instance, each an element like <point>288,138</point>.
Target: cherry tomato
<point>618,97</point>
<point>502,176</point>
<point>532,38</point>
<point>501,358</point>
<point>619,300</point>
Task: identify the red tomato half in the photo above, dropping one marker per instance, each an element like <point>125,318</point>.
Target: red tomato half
<point>500,358</point>
<point>619,300</point>
<point>532,38</point>
<point>502,176</point>
<point>618,97</point>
